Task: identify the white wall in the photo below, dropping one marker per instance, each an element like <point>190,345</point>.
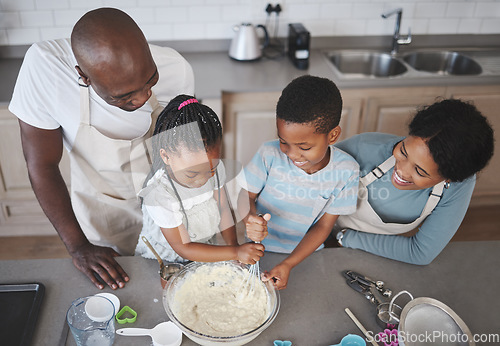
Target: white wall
<point>27,21</point>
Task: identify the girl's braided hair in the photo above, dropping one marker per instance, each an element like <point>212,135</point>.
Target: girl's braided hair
<point>174,129</point>
<point>169,134</point>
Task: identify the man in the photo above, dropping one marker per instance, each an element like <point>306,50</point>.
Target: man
<point>98,96</point>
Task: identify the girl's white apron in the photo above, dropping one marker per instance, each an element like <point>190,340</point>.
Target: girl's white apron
<point>365,219</point>
<point>103,194</point>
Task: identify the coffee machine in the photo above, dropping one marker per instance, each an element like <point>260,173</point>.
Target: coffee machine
<point>298,45</point>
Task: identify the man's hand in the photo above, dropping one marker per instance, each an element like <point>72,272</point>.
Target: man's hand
<point>98,262</point>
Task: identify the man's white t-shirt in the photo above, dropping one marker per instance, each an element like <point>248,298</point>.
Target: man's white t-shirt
<point>47,93</point>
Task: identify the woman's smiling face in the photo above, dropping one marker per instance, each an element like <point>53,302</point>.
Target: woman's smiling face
<point>415,169</point>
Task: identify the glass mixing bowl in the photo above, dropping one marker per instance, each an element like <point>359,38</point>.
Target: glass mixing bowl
<point>202,339</point>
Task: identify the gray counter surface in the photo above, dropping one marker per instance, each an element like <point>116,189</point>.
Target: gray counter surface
<point>464,277</point>
<point>215,72</point>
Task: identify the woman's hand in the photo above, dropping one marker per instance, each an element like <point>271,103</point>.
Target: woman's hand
<point>279,275</point>
<point>99,262</point>
<point>256,226</point>
<point>250,253</point>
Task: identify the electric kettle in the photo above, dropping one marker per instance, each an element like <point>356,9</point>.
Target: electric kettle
<point>245,45</point>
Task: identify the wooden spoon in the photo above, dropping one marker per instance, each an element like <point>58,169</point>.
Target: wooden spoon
<point>146,241</point>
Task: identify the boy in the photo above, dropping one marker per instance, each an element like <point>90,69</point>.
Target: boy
<point>301,180</point>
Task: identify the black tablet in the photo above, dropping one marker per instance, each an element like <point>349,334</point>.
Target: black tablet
<point>19,307</point>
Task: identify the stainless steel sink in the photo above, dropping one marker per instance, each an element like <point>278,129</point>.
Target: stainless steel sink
<point>443,63</point>
<point>371,64</point>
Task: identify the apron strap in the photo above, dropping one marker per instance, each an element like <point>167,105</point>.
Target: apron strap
<point>157,108</point>
<point>84,102</point>
<point>378,171</point>
<point>434,198</point>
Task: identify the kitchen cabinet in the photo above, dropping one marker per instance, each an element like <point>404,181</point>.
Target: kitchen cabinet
<point>249,120</point>
<point>487,100</point>
<point>20,212</point>
<point>389,110</point>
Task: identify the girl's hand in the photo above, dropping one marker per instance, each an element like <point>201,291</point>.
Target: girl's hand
<point>250,253</point>
<point>256,226</point>
<point>279,275</point>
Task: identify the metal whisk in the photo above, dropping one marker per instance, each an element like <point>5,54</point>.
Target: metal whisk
<point>248,285</point>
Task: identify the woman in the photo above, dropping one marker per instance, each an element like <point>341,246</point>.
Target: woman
<point>424,180</point>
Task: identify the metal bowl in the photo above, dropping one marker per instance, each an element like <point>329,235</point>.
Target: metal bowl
<point>427,321</point>
<point>177,281</point>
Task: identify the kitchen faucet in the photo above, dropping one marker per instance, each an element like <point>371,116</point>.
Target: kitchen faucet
<point>396,38</point>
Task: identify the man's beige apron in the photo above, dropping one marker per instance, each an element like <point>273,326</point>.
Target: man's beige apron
<point>365,219</point>
<point>103,194</point>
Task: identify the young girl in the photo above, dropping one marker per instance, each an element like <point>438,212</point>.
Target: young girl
<point>184,201</point>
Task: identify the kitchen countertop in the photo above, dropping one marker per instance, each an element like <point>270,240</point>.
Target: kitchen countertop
<point>215,72</point>
<point>464,277</point>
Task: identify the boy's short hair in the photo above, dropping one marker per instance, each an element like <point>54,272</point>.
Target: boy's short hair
<point>309,99</point>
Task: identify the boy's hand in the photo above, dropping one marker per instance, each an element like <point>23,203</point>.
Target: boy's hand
<point>256,226</point>
<point>250,253</point>
<point>279,275</point>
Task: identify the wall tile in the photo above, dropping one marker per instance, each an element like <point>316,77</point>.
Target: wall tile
<point>189,31</point>
<point>18,5</point>
<point>418,26</point>
<point>490,26</point>
<point>219,30</point>
<point>349,27</point>
<point>67,17</point>
<point>86,4</point>
<point>55,33</point>
<point>3,37</point>
<point>142,15</point>
<point>120,3</point>
<point>380,27</point>
<point>9,19</point>
<point>488,9</point>
<point>236,14</point>
<point>468,25</point>
<point>367,10</point>
<point>443,25</point>
<point>430,9</point>
<point>158,32</point>
<point>203,14</point>
<point>301,12</point>
<point>51,4</point>
<point>213,19</point>
<point>320,27</point>
<point>23,36</point>
<point>36,18</point>
<point>174,14</point>
<point>460,10</point>
<point>336,10</point>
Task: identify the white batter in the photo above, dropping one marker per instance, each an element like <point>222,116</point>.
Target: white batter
<point>213,302</point>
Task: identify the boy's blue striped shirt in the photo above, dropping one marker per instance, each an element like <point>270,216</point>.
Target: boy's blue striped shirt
<point>295,199</point>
